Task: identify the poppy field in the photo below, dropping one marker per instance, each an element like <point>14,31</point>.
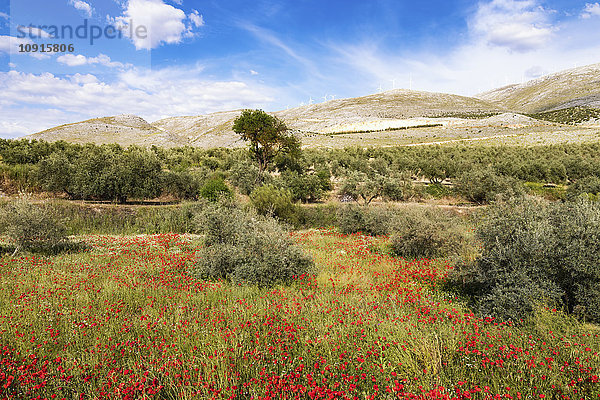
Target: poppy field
<point>125,319</point>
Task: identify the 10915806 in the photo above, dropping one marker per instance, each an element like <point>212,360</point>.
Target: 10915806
<point>46,48</point>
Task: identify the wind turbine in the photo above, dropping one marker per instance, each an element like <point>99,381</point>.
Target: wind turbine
<point>380,89</point>
<point>310,101</point>
<point>325,97</point>
<point>333,96</point>
<point>410,82</point>
<point>393,83</point>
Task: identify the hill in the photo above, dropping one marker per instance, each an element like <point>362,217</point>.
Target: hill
<point>389,118</point>
<point>396,109</point>
<point>123,129</point>
<point>577,87</point>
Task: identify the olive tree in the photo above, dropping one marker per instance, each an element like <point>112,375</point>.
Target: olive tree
<point>268,137</point>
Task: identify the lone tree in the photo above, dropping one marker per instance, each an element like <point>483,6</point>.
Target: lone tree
<point>268,136</point>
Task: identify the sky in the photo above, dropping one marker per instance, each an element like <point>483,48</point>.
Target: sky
<point>164,58</point>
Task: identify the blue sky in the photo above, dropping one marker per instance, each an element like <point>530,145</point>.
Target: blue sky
<point>202,56</point>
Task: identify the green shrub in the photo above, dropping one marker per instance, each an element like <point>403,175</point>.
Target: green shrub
<point>316,216</point>
<point>182,185</point>
<point>215,189</point>
<point>399,187</point>
<point>32,228</point>
<point>244,247</point>
<point>588,187</point>
<point>484,186</point>
<point>424,233</point>
<point>246,176</point>
<point>273,202</point>
<point>368,220</point>
<point>305,187</point>
<point>535,252</point>
<point>362,187</point>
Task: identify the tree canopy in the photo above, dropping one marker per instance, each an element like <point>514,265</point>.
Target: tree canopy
<point>268,136</point>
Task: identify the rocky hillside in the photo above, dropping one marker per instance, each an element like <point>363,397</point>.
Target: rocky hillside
<point>396,109</point>
<point>123,129</point>
<point>568,97</point>
<point>575,87</point>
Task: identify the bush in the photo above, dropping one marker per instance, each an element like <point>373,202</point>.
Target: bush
<point>305,187</point>
<point>246,177</point>
<point>32,228</point>
<point>273,202</point>
<point>399,187</point>
<point>318,216</point>
<point>484,186</point>
<point>215,189</point>
<point>182,185</point>
<point>588,187</point>
<point>422,233</point>
<point>535,252</point>
<point>361,187</point>
<point>368,220</point>
<point>244,247</point>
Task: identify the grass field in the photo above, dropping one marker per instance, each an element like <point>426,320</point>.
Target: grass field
<point>124,319</point>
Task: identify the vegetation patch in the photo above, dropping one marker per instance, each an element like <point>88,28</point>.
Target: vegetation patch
<point>244,247</point>
<point>535,252</point>
<point>30,228</point>
<point>569,116</point>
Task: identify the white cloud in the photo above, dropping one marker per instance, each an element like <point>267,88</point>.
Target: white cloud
<point>591,10</point>
<point>196,19</point>
<point>151,94</point>
<point>10,44</point>
<point>86,8</point>
<point>151,23</point>
<point>73,60</point>
<point>4,16</point>
<point>253,72</point>
<point>519,25</point>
